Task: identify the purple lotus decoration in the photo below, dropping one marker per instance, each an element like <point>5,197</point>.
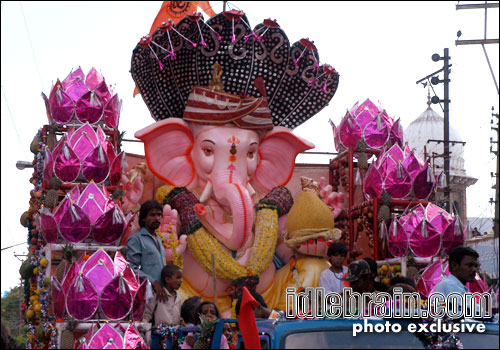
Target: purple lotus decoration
<point>96,283</point>
<point>369,123</point>
<point>80,214</point>
<point>84,155</point>
<point>425,230</point>
<point>401,174</point>
<point>81,99</point>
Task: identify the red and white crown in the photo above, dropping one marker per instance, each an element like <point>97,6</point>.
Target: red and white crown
<point>79,99</point>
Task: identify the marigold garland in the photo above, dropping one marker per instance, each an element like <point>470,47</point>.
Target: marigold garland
<point>202,244</point>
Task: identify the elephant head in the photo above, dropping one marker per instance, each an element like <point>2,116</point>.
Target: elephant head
<point>225,163</point>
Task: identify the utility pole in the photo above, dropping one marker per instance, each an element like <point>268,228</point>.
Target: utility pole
<point>496,220</point>
<point>446,110</point>
<point>485,41</point>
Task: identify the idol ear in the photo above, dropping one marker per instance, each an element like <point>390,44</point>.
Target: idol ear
<point>168,145</point>
<point>277,153</point>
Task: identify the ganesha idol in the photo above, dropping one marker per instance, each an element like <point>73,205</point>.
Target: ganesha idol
<point>225,98</point>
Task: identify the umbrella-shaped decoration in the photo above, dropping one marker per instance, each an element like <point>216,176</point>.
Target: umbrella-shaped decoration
<point>401,174</point>
<point>84,155</point>
<point>425,230</point>
<point>81,213</point>
<point>369,123</point>
<point>114,286</point>
<point>81,99</point>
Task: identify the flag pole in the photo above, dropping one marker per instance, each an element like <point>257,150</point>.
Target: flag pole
<point>215,279</point>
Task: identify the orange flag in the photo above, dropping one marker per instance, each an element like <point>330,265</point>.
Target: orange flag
<point>246,321</point>
<point>176,11</point>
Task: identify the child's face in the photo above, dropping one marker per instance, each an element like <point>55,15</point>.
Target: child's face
<point>227,331</point>
<point>174,282</point>
<point>337,260</point>
<point>208,310</point>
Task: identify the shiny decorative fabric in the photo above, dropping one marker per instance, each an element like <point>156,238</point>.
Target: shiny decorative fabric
<point>139,303</point>
<point>84,155</point>
<point>427,230</point>
<point>397,240</point>
<point>99,268</point>
<point>369,123</point>
<point>116,298</point>
<point>82,299</point>
<point>81,99</point>
<point>132,339</point>
<point>58,298</point>
<point>82,213</point>
<point>112,286</point>
<point>107,337</point>
<point>401,174</point>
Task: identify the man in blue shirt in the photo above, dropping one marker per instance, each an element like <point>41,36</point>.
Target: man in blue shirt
<point>145,251</point>
<point>463,265</point>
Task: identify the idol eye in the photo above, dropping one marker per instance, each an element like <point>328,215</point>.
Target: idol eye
<point>250,154</point>
<point>208,152</point>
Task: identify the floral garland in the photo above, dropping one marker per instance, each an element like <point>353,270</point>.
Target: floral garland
<point>202,244</point>
<point>171,244</point>
<point>42,332</point>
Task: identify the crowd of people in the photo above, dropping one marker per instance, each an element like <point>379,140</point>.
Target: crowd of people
<point>146,253</point>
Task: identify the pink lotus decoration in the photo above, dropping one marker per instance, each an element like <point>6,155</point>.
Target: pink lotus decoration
<point>369,123</point>
<point>84,155</point>
<point>401,174</point>
<point>121,336</point>
<point>100,282</point>
<point>425,231</point>
<point>81,213</point>
<point>435,272</point>
<point>83,100</point>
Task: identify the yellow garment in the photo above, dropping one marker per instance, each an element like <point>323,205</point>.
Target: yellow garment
<point>309,270</point>
<point>186,291</point>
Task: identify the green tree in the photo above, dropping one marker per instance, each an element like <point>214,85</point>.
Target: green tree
<point>11,308</point>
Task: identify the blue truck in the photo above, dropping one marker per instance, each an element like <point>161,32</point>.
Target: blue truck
<point>338,334</point>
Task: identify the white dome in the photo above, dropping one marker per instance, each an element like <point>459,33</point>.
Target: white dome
<point>429,126</point>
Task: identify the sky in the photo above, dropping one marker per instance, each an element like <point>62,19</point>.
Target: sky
<point>380,50</point>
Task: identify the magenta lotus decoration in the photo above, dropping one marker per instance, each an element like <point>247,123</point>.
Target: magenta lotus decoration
<point>425,230</point>
<point>81,214</point>
<point>97,284</point>
<point>369,123</point>
<point>84,155</point>
<point>401,174</point>
<point>434,274</point>
<point>106,336</point>
<point>83,99</point>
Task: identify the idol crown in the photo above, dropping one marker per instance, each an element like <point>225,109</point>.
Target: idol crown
<point>255,63</point>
